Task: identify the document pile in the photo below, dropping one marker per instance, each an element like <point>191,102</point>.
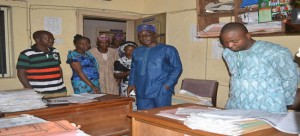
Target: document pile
<point>235,122</point>
<point>19,120</point>
<point>28,125</point>
<point>20,100</point>
<point>182,113</point>
<point>75,98</point>
<point>213,30</point>
<point>221,6</point>
<point>200,100</point>
<point>216,124</point>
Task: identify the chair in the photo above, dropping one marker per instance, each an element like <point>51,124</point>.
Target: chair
<point>200,87</point>
<point>296,104</point>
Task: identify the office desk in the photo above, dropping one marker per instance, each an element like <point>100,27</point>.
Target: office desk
<point>146,123</point>
<point>107,116</point>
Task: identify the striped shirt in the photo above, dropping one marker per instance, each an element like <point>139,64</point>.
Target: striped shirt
<point>42,69</point>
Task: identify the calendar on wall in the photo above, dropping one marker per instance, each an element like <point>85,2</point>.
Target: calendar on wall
<point>274,10</point>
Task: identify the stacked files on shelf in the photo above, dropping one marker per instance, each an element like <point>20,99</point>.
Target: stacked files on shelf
<point>20,100</point>
<point>213,30</point>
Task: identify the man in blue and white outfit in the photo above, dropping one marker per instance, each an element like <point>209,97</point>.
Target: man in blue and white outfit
<point>263,74</point>
<point>155,70</point>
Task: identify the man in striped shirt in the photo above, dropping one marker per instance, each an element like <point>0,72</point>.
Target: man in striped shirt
<point>39,67</point>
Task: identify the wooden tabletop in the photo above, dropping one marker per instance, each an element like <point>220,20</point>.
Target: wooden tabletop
<point>149,116</point>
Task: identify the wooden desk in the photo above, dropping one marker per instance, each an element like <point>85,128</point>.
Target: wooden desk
<point>107,116</point>
<point>146,123</point>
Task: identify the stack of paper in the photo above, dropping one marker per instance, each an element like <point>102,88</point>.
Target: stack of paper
<point>75,98</point>
<point>200,100</point>
<point>215,124</point>
<point>28,125</point>
<point>19,120</point>
<point>213,30</point>
<point>233,122</point>
<point>20,100</point>
<point>182,113</point>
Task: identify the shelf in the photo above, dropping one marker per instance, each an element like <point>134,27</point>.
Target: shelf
<point>227,13</point>
<point>254,34</point>
<point>205,19</point>
<point>217,14</point>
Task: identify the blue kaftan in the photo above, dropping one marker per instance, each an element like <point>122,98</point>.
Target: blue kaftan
<point>154,67</point>
<point>89,67</point>
<point>263,77</point>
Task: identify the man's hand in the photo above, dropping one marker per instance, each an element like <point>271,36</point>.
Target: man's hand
<point>129,89</point>
<point>96,90</point>
<point>167,87</point>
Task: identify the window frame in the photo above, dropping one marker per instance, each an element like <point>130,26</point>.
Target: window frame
<point>7,43</point>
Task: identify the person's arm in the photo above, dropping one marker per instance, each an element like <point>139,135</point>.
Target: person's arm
<point>176,68</point>
<point>131,85</point>
<point>61,73</point>
<point>121,75</point>
<point>77,68</point>
<point>119,72</point>
<point>283,63</point>
<point>116,57</point>
<point>23,64</point>
<point>21,73</point>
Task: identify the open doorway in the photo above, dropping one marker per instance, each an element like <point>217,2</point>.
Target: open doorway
<point>108,18</point>
<point>130,20</point>
<point>93,26</point>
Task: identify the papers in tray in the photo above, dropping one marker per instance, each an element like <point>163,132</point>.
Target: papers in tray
<point>75,98</point>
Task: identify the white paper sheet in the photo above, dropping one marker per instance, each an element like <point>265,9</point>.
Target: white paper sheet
<point>271,118</point>
<point>20,100</point>
<point>285,122</point>
<point>53,25</point>
<point>290,124</point>
<point>78,98</point>
<point>19,120</point>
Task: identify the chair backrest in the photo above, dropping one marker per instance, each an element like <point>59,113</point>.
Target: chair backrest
<point>296,104</point>
<point>204,88</point>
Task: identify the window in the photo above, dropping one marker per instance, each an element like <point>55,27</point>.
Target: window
<point>5,43</point>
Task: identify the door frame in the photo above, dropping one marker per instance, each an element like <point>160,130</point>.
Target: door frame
<point>80,14</point>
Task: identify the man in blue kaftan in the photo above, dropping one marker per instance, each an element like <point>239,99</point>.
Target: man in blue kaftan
<point>155,70</point>
<point>263,74</point>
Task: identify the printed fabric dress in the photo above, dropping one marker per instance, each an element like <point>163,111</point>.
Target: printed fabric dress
<point>123,65</point>
<point>89,67</point>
